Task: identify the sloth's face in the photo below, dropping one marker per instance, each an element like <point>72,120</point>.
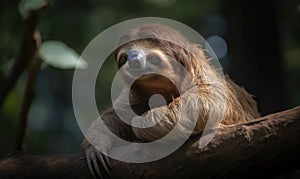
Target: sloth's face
<point>142,61</point>
<point>148,68</point>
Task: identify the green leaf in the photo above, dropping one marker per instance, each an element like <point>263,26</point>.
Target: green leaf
<point>25,6</point>
<point>59,55</point>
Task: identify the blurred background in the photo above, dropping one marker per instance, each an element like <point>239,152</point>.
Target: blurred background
<point>257,42</point>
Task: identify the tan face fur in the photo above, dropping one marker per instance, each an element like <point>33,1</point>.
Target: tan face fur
<point>154,60</point>
<point>157,74</point>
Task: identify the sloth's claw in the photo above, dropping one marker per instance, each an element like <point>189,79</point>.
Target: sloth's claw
<point>98,163</point>
<point>90,164</point>
<point>106,165</point>
<point>96,167</point>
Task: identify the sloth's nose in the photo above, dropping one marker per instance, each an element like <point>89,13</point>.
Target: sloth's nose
<point>136,59</point>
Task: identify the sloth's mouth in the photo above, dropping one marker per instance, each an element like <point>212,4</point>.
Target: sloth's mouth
<point>137,73</point>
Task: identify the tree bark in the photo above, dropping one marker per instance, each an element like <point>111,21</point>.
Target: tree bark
<point>266,147</point>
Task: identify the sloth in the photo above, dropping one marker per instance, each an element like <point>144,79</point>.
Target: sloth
<point>156,59</point>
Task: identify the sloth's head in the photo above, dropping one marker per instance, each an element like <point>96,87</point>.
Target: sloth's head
<point>157,59</point>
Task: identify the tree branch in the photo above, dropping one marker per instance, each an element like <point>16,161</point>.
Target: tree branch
<point>268,146</point>
<point>25,54</point>
<point>27,99</point>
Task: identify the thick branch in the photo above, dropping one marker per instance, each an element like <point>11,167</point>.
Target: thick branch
<point>268,146</point>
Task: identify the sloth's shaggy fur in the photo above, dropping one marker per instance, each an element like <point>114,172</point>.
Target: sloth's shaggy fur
<point>191,98</point>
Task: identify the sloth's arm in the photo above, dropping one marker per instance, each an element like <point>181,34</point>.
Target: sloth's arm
<point>189,111</point>
<point>98,135</point>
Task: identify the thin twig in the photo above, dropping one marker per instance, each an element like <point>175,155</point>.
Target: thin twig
<point>28,97</point>
<point>25,54</point>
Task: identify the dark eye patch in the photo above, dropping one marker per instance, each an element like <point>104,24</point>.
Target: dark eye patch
<point>122,60</point>
<point>154,59</point>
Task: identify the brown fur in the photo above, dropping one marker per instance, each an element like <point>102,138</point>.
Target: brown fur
<point>201,97</point>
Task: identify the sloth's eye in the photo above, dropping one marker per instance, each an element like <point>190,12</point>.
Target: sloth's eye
<point>154,59</point>
<point>122,60</point>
